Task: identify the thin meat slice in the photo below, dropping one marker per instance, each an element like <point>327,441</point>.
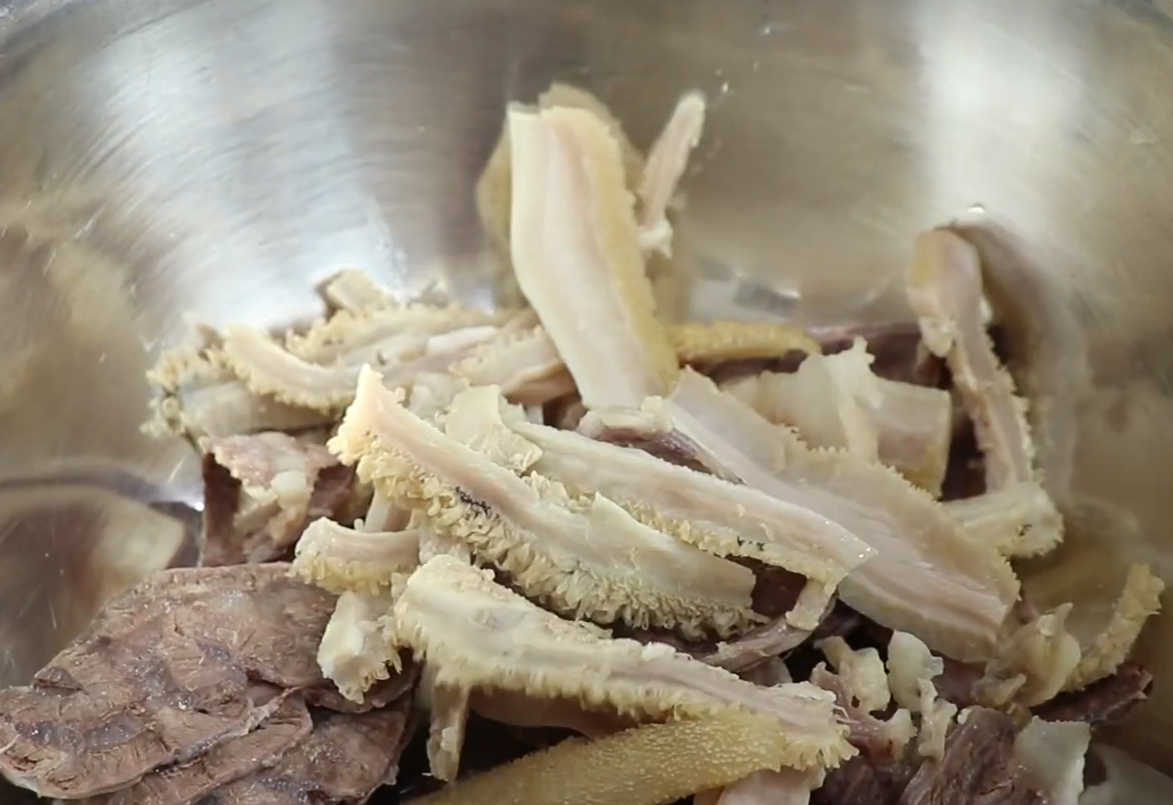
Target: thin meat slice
<point>166,671</point>
<point>927,577</point>
<point>945,291</point>
<point>667,160</point>
<point>524,364</point>
<point>261,490</point>
<point>354,290</point>
<point>1105,702</point>
<point>449,709</point>
<point>581,554</point>
<point>576,255</point>
<point>344,759</point>
<point>1052,755</point>
<point>476,633</point>
<point>188,783</point>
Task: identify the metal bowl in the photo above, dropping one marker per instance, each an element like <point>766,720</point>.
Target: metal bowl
<point>223,156</point>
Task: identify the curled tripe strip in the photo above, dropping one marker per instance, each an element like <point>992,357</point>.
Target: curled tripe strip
<point>1140,599</point>
<point>478,634</point>
<point>647,765</point>
<point>353,653</point>
<point>341,559</point>
<point>582,555</point>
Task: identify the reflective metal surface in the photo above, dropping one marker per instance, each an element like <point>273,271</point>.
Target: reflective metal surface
<point>221,156</point>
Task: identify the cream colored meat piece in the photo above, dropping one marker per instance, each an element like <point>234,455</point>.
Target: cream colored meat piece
<point>945,292</point>
<point>1006,518</point>
<point>936,716</point>
<point>476,419</point>
<point>341,559</point>
<point>267,368</point>
<point>927,577</point>
<point>448,708</point>
<point>913,424</point>
<point>353,653</point>
<point>1032,664</point>
<point>520,710</point>
<point>520,363</point>
<point>700,509</point>
<point>354,290</point>
<point>582,555</point>
<point>1139,600</point>
<point>478,634</point>
<point>667,161</point>
<point>575,250</point>
<point>861,670</point>
<point>383,334</point>
<point>201,398</point>
<point>909,663</point>
<point>1052,755</point>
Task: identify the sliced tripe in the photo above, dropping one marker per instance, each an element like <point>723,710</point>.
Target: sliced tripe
<point>474,418</point>
<point>667,160</point>
<point>448,708</point>
<point>1032,664</point>
<point>1052,755</point>
<point>200,397</point>
<point>945,292</point>
<point>648,765</point>
<point>476,633</point>
<point>909,663</point>
<point>341,559</point>
<point>582,555</point>
<point>761,645</point>
<point>520,710</point>
<point>518,362</point>
<point>927,576</point>
<point>354,654</point>
<point>1002,518</point>
<point>575,250</point>
<point>394,331</point>
<point>267,368</point>
<point>354,290</point>
<point>720,341</point>
<point>1127,781</point>
<point>913,424</point>
<point>700,509</point>
<point>782,787</point>
<point>1139,600</point>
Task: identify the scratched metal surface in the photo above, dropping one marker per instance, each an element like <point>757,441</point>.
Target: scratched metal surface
<point>221,156</point>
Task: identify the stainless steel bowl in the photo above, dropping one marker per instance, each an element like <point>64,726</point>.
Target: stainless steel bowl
<point>222,156</point>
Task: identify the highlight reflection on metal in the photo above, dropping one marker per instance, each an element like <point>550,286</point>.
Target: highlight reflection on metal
<point>221,156</point>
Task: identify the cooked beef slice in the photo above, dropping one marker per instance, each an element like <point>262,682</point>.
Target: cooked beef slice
<point>345,758</point>
<point>186,783</point>
<point>978,769</point>
<point>167,671</point>
<point>1103,702</point>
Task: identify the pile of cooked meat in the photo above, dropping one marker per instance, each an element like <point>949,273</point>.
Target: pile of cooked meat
<point>577,550</point>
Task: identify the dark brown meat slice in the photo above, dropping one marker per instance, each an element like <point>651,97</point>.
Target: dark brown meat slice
<point>267,621</point>
<point>1103,702</point>
<point>978,768</point>
<point>859,782</point>
<point>345,758</point>
<point>186,783</point>
<point>107,711</point>
<point>236,528</point>
<point>167,671</point>
<point>382,694</point>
